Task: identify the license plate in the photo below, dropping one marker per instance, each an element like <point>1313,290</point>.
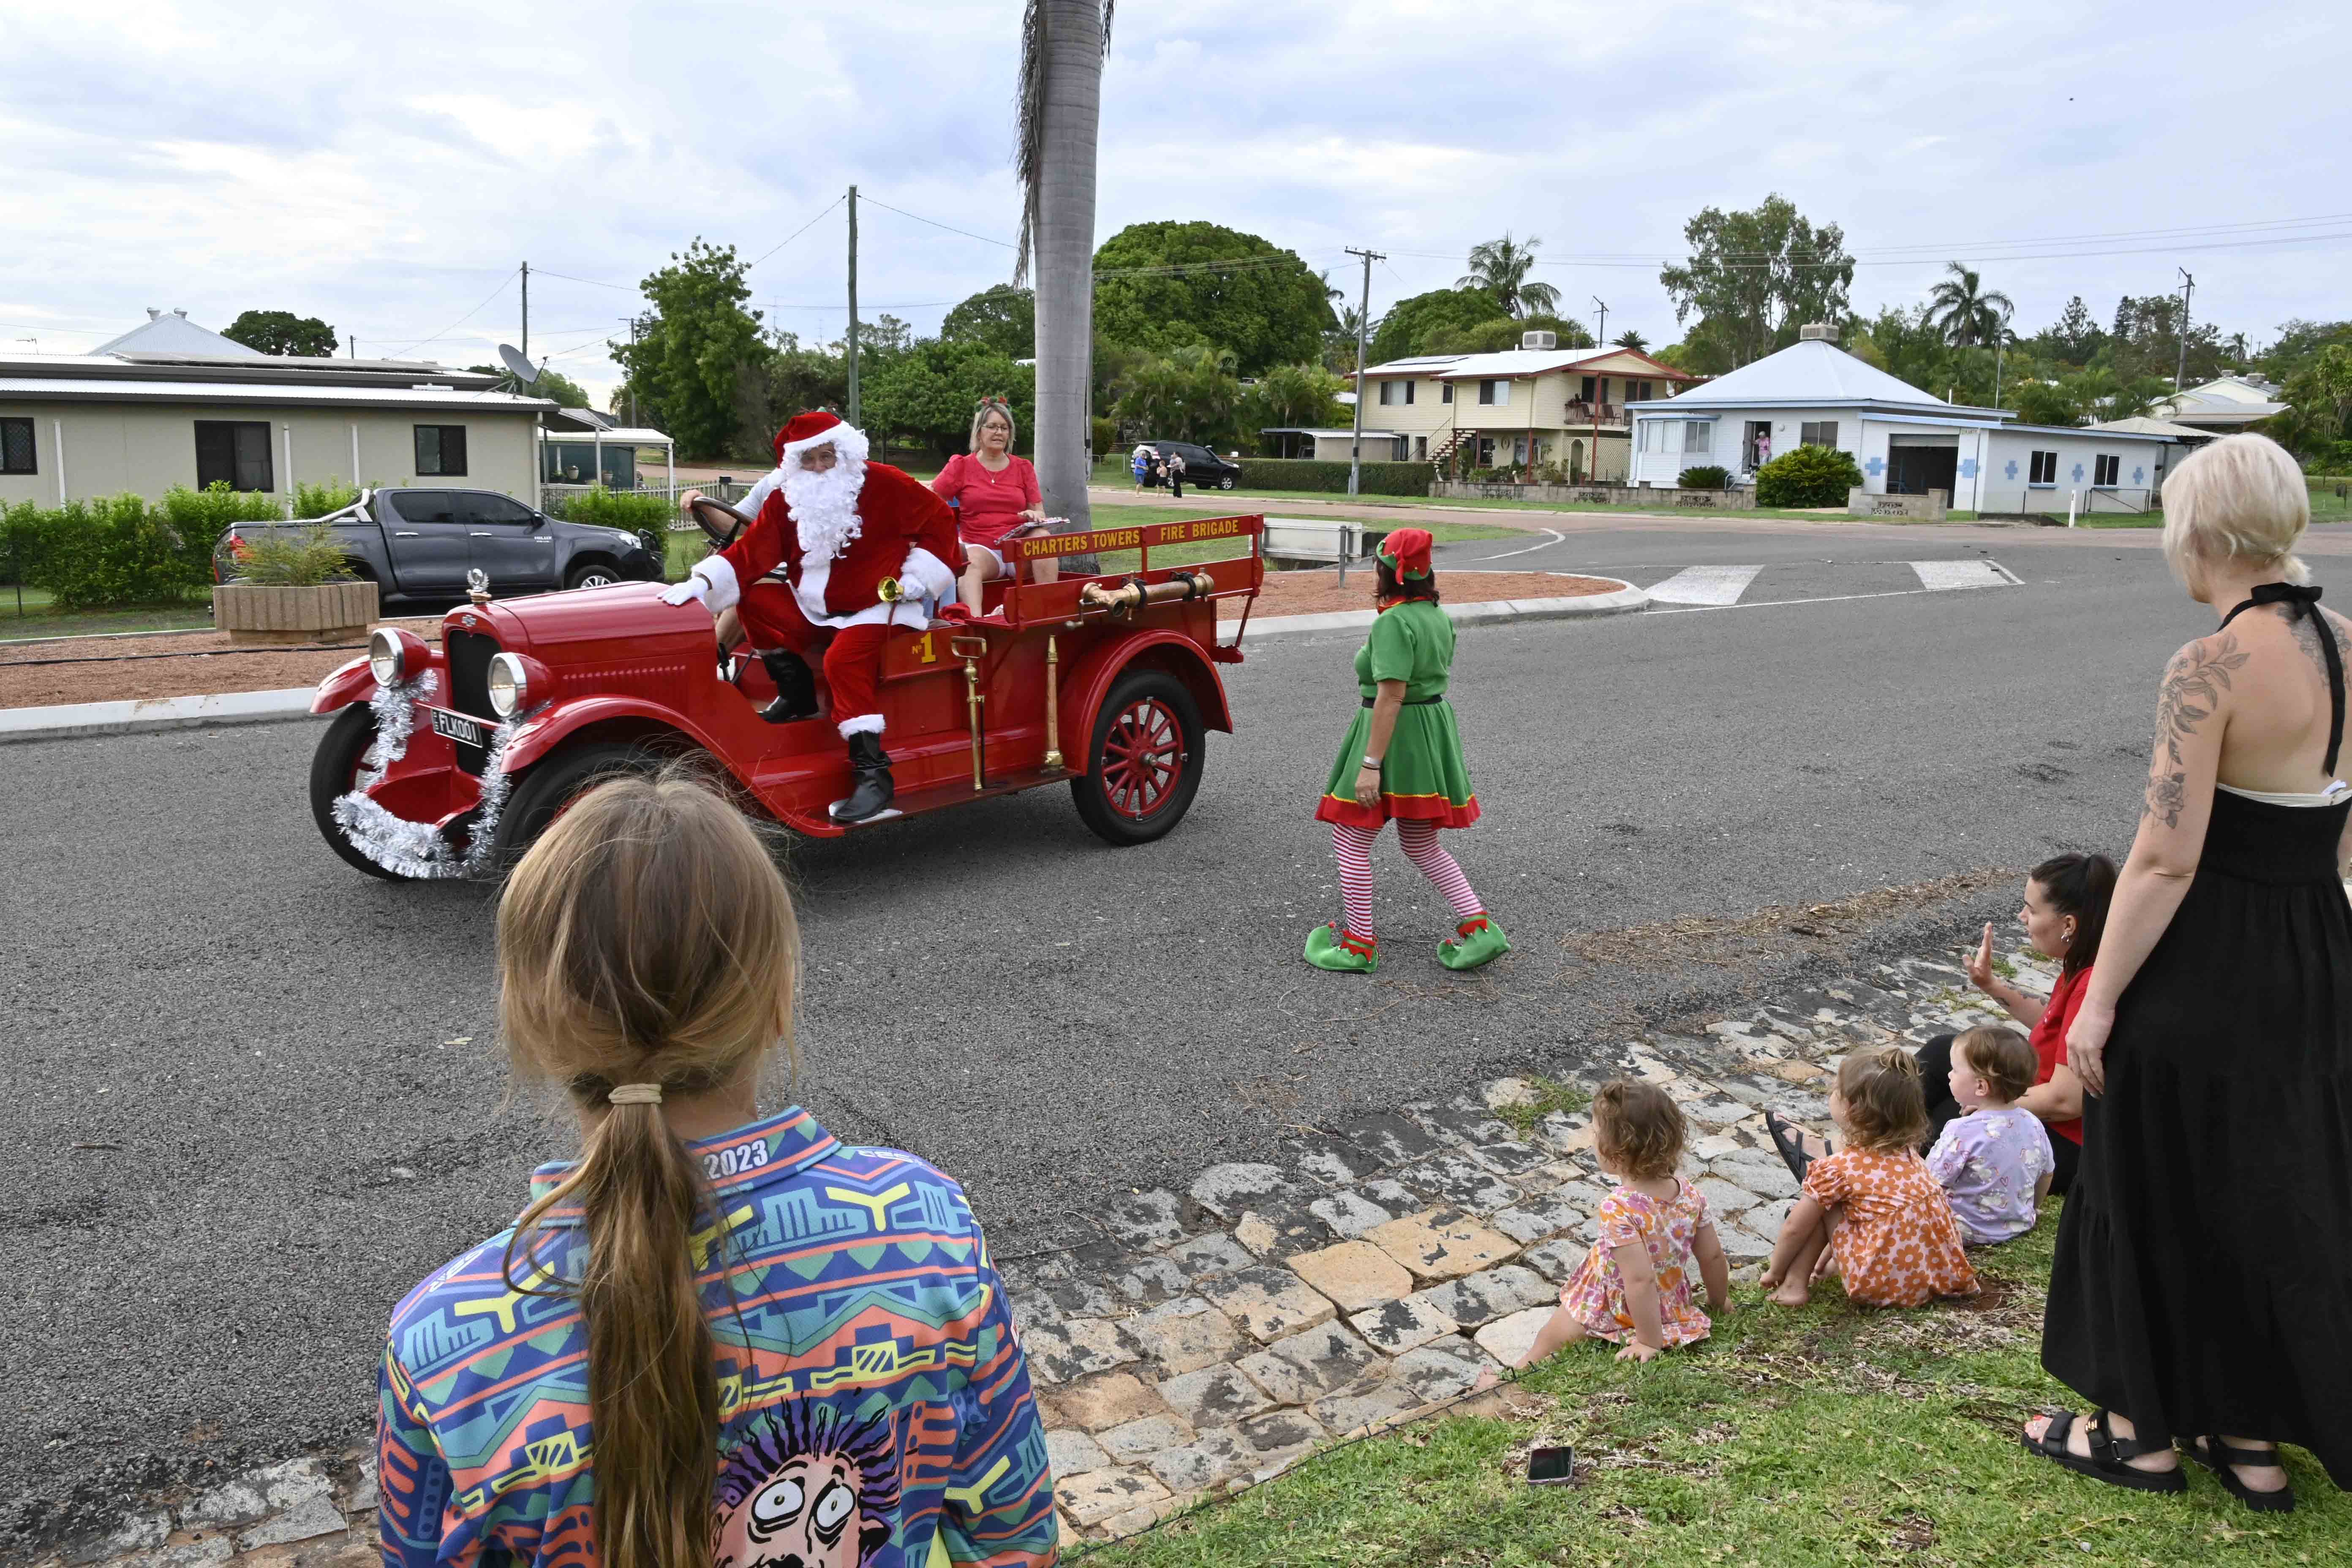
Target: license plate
<point>457,727</point>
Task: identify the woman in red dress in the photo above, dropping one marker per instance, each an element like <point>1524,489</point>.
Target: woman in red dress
<point>996,499</point>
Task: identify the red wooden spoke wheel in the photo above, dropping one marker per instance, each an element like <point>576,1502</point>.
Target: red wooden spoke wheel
<point>1145,762</point>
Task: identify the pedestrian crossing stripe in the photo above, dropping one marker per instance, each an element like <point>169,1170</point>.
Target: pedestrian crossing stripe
<point>1706,585</point>
<point>1717,586</point>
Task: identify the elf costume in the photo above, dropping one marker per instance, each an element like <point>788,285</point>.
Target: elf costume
<point>1425,784</point>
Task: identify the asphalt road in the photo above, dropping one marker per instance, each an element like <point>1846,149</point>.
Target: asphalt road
<point>252,1096</point>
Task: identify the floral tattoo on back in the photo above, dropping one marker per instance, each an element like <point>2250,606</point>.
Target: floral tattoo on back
<point>2193,685</point>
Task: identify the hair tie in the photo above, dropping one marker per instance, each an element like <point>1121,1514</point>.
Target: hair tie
<point>635,1094</point>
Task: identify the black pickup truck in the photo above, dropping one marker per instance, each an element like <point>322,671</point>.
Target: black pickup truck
<point>419,544</point>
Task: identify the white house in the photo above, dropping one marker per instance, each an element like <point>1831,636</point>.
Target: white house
<point>1521,408</point>
<point>2221,407</point>
<point>1905,441</point>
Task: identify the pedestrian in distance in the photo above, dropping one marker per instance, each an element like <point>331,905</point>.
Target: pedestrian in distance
<point>1871,1213</point>
<point>2201,1291</point>
<point>1142,460</point>
<point>1633,1287</point>
<point>716,1337</point>
<point>1176,475</point>
<point>1402,761</point>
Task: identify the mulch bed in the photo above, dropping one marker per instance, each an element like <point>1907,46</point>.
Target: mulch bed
<point>1318,592</point>
<point>116,669</point>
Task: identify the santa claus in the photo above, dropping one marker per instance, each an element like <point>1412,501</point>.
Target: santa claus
<point>839,548</point>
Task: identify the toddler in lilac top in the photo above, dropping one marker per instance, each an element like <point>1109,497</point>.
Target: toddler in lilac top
<point>1995,1162</point>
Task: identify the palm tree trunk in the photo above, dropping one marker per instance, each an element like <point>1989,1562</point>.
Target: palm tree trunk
<point>1069,107</point>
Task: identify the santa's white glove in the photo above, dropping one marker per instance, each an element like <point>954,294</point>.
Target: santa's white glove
<point>694,587</point>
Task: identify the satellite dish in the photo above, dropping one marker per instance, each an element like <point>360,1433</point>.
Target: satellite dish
<point>521,369</point>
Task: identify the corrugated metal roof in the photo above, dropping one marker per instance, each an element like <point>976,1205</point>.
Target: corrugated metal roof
<point>613,435</point>
<point>2140,425</point>
<point>1508,362</point>
<point>171,332</point>
<point>61,389</point>
<point>1812,373</point>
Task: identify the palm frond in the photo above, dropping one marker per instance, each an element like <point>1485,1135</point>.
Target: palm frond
<point>1029,130</point>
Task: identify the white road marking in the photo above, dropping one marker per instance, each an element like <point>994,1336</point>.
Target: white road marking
<point>1705,585</point>
<point>1945,576</point>
<point>1776,604</point>
<point>1551,536</point>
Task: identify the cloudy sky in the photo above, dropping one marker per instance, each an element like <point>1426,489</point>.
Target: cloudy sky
<point>387,170</point>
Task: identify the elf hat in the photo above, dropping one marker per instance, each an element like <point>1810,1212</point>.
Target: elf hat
<point>816,426</point>
<point>1405,551</point>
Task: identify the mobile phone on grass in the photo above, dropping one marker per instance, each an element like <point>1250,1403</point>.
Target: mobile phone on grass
<point>1551,1468</point>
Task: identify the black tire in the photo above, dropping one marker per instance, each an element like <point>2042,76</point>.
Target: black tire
<point>334,768</point>
<point>1226,483</point>
<point>594,573</point>
<point>1129,799</point>
<point>554,782</point>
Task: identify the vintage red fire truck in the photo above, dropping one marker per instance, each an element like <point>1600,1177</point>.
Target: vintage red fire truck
<point>448,761</point>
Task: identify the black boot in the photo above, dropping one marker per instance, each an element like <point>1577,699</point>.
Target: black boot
<point>875,790</point>
<point>795,687</point>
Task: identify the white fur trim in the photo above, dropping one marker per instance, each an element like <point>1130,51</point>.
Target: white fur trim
<point>810,592</point>
<point>864,724</point>
<point>720,573</point>
<point>930,573</point>
<point>846,435</point>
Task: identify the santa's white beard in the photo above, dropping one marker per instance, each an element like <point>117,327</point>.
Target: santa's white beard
<point>825,506</point>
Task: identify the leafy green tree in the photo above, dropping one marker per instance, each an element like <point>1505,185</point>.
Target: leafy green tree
<point>1705,350</point>
<point>1758,276</point>
<point>1501,267</point>
<point>1294,396</point>
<point>2319,396</point>
<point>1406,330</point>
<point>1164,286</point>
<point>2045,402</point>
<point>1493,337</point>
<point>2074,337</point>
<point>565,391</point>
<point>1966,311</point>
<point>283,332</point>
<point>1002,318</point>
<point>2147,342</point>
<point>1630,339</point>
<point>683,366</point>
<point>927,394</point>
<point>1189,394</point>
<point>781,380</point>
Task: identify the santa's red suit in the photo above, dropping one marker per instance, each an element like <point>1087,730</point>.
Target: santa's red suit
<point>836,535</point>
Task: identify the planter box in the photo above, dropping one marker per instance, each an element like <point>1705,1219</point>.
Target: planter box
<point>330,611</point>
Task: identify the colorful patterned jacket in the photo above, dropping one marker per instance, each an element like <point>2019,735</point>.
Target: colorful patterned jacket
<point>876,1407</point>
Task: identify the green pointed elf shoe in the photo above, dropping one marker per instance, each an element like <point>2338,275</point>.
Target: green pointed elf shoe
<point>1329,947</point>
<point>1482,942</point>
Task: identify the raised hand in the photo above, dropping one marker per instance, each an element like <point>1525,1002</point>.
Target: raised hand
<point>1980,963</point>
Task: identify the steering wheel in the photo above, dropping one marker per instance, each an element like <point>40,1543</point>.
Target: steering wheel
<point>724,523</point>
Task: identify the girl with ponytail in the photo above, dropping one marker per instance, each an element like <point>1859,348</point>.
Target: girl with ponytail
<point>717,1339</point>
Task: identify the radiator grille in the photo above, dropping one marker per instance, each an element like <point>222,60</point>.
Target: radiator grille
<point>470,656</point>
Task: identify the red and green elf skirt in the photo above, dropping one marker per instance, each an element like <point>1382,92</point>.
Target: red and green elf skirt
<point>1423,775</point>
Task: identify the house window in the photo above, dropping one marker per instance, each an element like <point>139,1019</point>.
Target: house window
<point>16,454</point>
<point>234,452</point>
<point>1408,393</point>
<point>1421,445</point>
<point>1585,390</point>
<point>441,449</point>
<point>1494,393</point>
<point>2042,468</point>
<point>1637,391</point>
<point>1397,392</point>
<point>1823,434</point>
<point>1445,392</point>
<point>2106,469</point>
<point>1696,434</point>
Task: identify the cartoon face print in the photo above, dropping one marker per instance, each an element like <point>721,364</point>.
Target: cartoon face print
<point>811,1489</point>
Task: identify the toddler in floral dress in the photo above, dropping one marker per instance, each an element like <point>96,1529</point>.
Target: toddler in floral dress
<point>1634,1286</point>
<point>1994,1159</point>
<point>1871,1213</point>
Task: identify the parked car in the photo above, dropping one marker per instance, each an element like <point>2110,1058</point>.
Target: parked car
<point>1202,467</point>
<point>420,544</point>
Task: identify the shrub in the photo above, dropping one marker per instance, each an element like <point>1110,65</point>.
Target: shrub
<point>1807,475</point>
<point>118,551</point>
<point>317,501</point>
<point>1706,477</point>
<point>629,509</point>
<point>1330,476</point>
<point>290,557</point>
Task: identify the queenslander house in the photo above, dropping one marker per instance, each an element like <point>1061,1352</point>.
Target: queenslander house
<point>1528,407</point>
<point>1905,441</point>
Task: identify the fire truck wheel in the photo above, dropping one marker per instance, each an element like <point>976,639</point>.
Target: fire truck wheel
<point>334,769</point>
<point>552,784</point>
<point>1144,761</point>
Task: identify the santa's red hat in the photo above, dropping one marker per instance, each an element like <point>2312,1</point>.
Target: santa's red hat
<point>805,430</point>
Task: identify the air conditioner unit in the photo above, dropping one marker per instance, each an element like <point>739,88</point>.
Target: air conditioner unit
<point>1816,332</point>
<point>1539,340</point>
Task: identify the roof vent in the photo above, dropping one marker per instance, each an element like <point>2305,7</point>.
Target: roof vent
<point>1539,340</point>
<point>1817,333</point>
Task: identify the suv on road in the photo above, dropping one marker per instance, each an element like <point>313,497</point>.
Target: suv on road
<point>419,544</point>
<point>1201,466</point>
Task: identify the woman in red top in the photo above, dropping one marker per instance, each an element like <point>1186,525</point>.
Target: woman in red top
<point>2066,910</point>
<point>996,499</point>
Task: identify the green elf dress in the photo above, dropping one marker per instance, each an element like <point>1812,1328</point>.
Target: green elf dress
<point>1423,775</point>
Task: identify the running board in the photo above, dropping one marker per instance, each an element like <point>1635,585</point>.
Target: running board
<point>916,802</point>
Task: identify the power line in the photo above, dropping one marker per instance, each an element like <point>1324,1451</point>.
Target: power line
<point>593,283</point>
<point>902,212</point>
<point>796,233</point>
<point>458,323</point>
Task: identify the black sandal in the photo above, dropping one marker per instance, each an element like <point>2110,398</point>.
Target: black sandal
<point>2105,1462</point>
<point>2217,1456</point>
<point>1789,1139</point>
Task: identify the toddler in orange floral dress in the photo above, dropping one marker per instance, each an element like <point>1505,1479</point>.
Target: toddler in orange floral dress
<point>1634,1286</point>
<point>1872,1212</point>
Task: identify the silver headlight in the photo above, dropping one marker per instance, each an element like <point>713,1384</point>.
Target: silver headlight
<point>383,657</point>
<point>510,687</point>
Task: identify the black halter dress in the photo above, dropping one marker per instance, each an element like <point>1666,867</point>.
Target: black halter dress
<point>2203,1278</point>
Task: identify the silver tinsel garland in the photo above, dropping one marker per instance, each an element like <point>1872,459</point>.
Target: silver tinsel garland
<point>418,850</point>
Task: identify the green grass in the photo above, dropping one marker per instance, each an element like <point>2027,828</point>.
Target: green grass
<point>2327,505</point>
<point>1548,1097</point>
<point>1791,1439</point>
<point>43,619</point>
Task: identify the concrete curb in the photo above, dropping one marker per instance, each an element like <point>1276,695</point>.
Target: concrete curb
<point>154,713</point>
<point>1623,600</point>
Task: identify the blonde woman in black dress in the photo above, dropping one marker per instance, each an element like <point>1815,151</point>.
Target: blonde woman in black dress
<point>2202,1289</point>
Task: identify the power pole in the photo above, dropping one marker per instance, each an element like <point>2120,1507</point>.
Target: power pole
<point>632,381</point>
<point>1593,458</point>
<point>1600,333</point>
<point>2180,368</point>
<point>526,309</point>
<point>853,304</point>
<point>1364,314</point>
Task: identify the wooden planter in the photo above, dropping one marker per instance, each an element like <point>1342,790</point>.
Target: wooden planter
<point>328,613</point>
